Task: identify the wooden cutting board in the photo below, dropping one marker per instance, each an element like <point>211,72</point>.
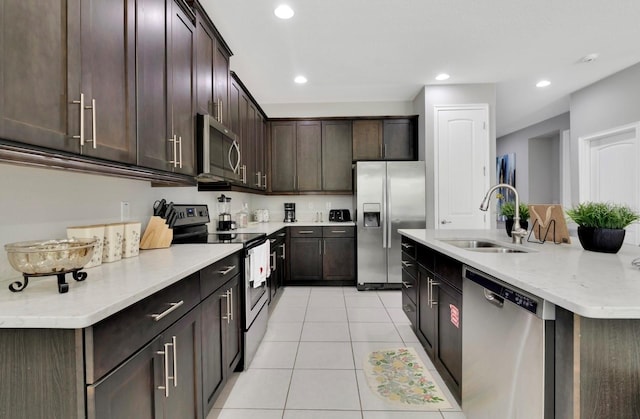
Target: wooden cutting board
<point>548,223</point>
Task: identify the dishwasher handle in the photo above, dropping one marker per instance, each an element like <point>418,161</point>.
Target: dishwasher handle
<point>493,298</point>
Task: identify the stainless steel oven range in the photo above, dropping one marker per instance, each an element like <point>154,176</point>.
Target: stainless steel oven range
<point>193,229</point>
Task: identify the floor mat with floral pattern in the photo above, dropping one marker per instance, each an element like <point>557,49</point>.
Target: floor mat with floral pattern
<point>400,378</point>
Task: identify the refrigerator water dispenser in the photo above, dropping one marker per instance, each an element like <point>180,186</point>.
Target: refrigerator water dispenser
<point>371,215</point>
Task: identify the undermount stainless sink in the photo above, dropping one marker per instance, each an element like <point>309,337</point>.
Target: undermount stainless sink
<point>484,246</point>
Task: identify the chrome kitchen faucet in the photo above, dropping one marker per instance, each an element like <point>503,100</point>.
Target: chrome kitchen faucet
<point>517,233</point>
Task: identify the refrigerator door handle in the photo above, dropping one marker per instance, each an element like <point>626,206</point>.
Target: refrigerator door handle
<point>388,217</point>
<point>384,214</point>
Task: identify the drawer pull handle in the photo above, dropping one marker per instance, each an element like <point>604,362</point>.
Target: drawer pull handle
<point>174,306</point>
<point>272,241</point>
<point>305,231</point>
<point>406,284</point>
<point>338,231</point>
<point>407,245</point>
<point>282,234</point>
<point>406,264</point>
<point>226,271</point>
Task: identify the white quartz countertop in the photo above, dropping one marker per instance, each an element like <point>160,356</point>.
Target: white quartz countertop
<point>108,288</point>
<point>591,284</point>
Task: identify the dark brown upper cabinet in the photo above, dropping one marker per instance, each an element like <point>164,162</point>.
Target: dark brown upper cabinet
<point>212,72</point>
<point>67,67</point>
<point>336,156</point>
<point>166,107</point>
<point>311,156</point>
<point>385,139</point>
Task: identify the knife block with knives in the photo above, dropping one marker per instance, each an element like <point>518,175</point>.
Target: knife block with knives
<point>159,233</point>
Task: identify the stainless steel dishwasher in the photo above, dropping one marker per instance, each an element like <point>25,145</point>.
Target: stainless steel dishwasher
<point>507,351</point>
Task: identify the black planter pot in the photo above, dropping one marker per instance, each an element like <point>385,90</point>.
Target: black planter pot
<point>605,240</point>
<point>508,225</point>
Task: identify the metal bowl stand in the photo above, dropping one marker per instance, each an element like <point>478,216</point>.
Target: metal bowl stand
<point>63,287</point>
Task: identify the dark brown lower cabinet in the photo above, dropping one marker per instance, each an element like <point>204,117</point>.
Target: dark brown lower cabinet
<point>428,313</point>
<point>160,380</point>
<point>306,259</point>
<point>322,254</point>
<point>338,259</point>
<point>448,354</point>
<point>221,339</point>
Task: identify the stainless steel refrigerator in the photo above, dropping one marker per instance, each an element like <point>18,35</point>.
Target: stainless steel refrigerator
<point>389,196</point>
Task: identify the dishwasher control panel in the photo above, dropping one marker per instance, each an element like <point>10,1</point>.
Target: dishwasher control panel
<point>493,285</point>
<point>519,299</point>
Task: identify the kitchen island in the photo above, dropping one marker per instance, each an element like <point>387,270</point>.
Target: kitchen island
<point>596,333</point>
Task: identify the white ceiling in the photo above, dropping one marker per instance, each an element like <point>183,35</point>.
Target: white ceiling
<point>387,50</point>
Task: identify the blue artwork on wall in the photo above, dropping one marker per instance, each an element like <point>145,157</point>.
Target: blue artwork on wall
<point>505,173</point>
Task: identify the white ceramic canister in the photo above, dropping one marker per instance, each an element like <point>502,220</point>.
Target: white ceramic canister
<point>131,239</point>
<point>89,232</point>
<point>258,215</point>
<point>265,216</point>
<point>112,250</point>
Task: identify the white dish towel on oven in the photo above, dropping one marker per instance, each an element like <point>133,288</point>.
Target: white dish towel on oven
<point>260,268</point>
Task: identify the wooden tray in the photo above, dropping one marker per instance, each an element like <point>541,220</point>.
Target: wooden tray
<point>549,218</point>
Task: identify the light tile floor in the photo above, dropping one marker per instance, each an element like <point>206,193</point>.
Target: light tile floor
<point>309,364</point>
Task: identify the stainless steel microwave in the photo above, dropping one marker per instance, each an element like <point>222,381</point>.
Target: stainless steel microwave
<point>218,151</point>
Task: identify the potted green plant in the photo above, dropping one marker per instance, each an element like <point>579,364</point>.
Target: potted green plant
<point>508,210</point>
<point>601,225</point>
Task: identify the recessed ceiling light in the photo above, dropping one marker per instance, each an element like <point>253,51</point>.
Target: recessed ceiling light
<point>589,58</point>
<point>543,83</point>
<point>300,79</point>
<point>442,77</point>
<point>283,12</point>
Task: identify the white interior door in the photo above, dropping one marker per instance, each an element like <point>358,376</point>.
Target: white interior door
<point>461,166</point>
<point>609,170</point>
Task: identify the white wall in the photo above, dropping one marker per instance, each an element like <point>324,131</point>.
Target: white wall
<point>518,142</point>
<point>41,203</point>
<point>311,110</point>
<point>608,103</point>
<point>544,171</point>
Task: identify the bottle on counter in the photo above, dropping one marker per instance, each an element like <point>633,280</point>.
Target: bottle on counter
<point>242,216</point>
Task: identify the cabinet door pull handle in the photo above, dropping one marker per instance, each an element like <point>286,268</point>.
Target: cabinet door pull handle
<point>259,177</point>
<point>324,245</point>
<point>282,234</point>
<point>174,140</point>
<point>173,307</point>
<point>244,173</point>
<point>81,103</point>
<point>226,271</point>
<point>406,284</point>
<point>273,261</point>
<point>227,298</point>
<point>230,304</point>
<point>406,264</point>
<point>272,241</point>
<point>93,123</point>
<point>165,362</point>
<point>180,151</point>
<point>284,253</point>
<point>265,181</point>
<point>174,341</point>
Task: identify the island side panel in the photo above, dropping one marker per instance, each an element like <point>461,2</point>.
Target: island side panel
<point>609,368</point>
<point>42,374</point>
<point>564,382</point>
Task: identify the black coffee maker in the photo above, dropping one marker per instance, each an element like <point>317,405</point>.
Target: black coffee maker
<point>289,212</point>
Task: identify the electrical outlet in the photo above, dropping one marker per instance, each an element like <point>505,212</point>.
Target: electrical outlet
<point>124,211</point>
